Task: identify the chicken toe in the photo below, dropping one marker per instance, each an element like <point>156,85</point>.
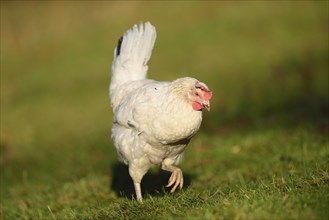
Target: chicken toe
<point>176,179</point>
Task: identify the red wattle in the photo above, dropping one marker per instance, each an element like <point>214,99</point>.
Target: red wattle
<point>197,106</point>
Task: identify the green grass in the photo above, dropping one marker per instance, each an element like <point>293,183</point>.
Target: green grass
<point>261,153</point>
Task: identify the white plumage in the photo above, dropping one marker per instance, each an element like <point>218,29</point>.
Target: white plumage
<point>153,121</point>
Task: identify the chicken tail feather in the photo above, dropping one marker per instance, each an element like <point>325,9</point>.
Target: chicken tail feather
<point>132,54</point>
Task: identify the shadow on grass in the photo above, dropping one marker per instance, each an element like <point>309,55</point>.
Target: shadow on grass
<point>153,183</point>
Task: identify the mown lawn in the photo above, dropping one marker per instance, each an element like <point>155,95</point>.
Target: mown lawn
<point>261,153</point>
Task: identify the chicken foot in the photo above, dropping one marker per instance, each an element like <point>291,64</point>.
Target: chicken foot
<point>176,179</point>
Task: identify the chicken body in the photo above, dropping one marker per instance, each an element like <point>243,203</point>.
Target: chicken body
<point>153,121</point>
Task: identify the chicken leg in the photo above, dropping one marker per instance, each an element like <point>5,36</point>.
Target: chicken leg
<point>138,192</point>
<point>137,173</point>
<point>176,179</point>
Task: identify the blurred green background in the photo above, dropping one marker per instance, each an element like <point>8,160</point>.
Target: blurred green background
<point>266,62</point>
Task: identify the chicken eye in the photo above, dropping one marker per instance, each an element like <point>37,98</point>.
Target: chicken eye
<point>200,86</point>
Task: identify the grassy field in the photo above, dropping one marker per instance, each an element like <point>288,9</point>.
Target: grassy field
<point>261,153</point>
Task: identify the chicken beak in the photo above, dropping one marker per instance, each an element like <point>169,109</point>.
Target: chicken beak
<point>206,104</point>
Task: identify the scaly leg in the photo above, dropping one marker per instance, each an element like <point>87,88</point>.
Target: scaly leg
<point>176,178</point>
<point>138,192</point>
<point>137,174</point>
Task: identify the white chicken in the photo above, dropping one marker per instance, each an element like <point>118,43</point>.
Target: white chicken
<point>153,121</point>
